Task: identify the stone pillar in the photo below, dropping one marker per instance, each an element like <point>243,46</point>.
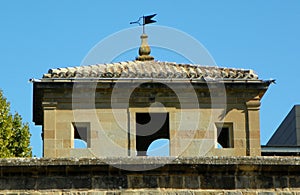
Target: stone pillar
<point>49,129</point>
<point>132,133</point>
<point>253,127</point>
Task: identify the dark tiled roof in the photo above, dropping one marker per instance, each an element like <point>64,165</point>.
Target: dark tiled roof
<point>150,69</point>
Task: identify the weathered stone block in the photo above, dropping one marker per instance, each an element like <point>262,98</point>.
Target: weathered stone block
<point>294,181</point>
<point>217,182</point>
<point>150,181</point>
<point>240,151</point>
<point>109,182</point>
<point>81,182</point>
<point>49,134</point>
<point>286,193</point>
<point>233,193</point>
<point>49,153</point>
<point>59,144</point>
<point>243,182</point>
<point>164,181</point>
<point>35,193</point>
<point>49,143</point>
<point>49,120</point>
<point>96,193</point>
<point>113,193</point>
<point>63,152</point>
<point>264,182</point>
<point>280,182</point>
<point>64,115</point>
<point>53,183</point>
<point>249,192</point>
<point>192,182</point>
<point>240,143</point>
<point>176,181</point>
<point>266,193</point>
<point>17,183</point>
<point>23,193</point>
<point>67,143</point>
<point>133,192</point>
<point>51,192</point>
<point>135,181</point>
<point>170,181</point>
<point>206,192</point>
<point>64,130</point>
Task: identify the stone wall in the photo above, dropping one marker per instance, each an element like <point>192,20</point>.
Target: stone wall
<point>207,175</point>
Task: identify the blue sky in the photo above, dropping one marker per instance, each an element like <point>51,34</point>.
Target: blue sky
<point>260,35</point>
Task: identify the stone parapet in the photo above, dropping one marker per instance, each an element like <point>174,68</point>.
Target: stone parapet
<point>187,175</point>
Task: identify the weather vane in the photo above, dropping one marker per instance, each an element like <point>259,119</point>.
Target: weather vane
<point>146,20</point>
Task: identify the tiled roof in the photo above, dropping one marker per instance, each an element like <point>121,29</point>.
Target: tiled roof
<point>150,69</point>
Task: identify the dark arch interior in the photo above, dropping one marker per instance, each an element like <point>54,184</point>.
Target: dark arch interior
<point>145,136</point>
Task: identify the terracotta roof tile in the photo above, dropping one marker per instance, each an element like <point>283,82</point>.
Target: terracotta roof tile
<point>149,69</point>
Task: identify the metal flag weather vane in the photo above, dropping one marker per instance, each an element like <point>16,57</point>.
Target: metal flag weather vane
<point>146,20</point>
<point>144,49</point>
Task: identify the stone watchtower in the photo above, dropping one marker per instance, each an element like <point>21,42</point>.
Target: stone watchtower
<point>119,109</point>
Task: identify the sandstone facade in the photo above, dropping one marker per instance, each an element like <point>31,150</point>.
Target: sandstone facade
<point>192,130</point>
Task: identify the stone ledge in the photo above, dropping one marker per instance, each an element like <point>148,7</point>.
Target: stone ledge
<point>244,160</point>
<point>216,173</point>
<point>155,192</point>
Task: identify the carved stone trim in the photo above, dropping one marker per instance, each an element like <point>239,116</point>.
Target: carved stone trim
<point>49,105</point>
<point>253,105</point>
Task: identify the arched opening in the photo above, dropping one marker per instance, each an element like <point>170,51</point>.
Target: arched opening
<point>159,147</point>
<point>150,127</point>
<point>81,132</point>
<point>79,143</point>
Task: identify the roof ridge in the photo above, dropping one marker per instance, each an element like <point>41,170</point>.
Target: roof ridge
<point>150,69</point>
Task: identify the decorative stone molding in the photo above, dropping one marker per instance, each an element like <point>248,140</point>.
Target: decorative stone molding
<point>253,105</point>
<point>49,105</point>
